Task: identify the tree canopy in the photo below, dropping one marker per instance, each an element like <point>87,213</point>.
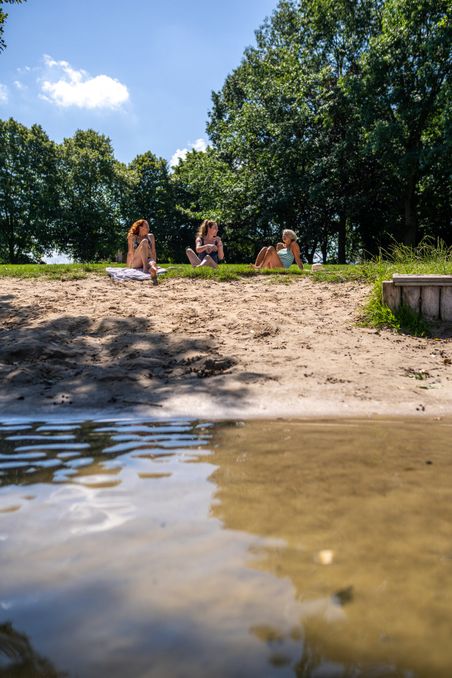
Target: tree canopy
<point>336,123</point>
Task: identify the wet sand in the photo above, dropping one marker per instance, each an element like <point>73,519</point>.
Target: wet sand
<point>262,347</point>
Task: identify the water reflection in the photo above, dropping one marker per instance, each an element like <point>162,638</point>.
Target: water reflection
<point>44,454</point>
<point>197,549</point>
<point>363,517</point>
<point>18,659</point>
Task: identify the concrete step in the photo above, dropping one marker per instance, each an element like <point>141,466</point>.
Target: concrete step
<point>403,279</point>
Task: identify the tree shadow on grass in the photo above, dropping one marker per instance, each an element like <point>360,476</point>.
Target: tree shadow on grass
<point>108,363</point>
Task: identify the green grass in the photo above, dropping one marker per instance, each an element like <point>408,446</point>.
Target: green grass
<point>427,258</point>
<point>330,273</point>
<point>223,273</point>
<point>76,271</point>
<point>405,320</point>
<point>51,271</point>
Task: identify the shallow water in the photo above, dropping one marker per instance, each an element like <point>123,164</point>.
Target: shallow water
<point>184,548</point>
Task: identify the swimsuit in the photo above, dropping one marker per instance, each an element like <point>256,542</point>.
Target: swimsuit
<point>213,255</point>
<point>286,256</point>
<point>136,241</point>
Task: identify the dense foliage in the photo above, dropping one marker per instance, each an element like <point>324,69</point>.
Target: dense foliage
<point>337,124</point>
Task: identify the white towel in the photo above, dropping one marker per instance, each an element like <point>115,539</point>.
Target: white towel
<point>131,273</point>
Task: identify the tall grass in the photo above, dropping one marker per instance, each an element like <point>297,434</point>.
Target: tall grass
<point>429,257</point>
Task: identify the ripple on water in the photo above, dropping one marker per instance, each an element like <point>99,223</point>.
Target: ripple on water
<point>53,446</point>
<point>39,437</point>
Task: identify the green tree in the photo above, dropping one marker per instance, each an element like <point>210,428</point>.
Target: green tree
<point>93,190</point>
<point>285,117</point>
<point>28,192</point>
<point>405,86</point>
<point>151,198</point>
<point>255,126</point>
<point>435,188</point>
<point>334,123</point>
<point>205,187</point>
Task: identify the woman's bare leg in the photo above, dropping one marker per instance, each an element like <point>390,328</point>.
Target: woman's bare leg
<point>141,256</point>
<point>208,261</point>
<point>143,259</point>
<point>153,271</point>
<point>196,261</point>
<point>260,257</point>
<point>153,259</point>
<point>153,247</point>
<point>192,257</point>
<point>268,258</point>
<point>271,259</point>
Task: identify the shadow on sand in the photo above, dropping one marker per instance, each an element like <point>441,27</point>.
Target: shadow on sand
<point>108,363</point>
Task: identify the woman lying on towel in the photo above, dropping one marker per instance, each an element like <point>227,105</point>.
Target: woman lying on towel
<point>141,252</point>
<point>281,256</point>
<point>209,248</point>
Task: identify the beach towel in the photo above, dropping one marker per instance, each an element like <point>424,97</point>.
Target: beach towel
<point>130,273</point>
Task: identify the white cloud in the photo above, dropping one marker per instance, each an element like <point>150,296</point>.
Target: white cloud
<point>76,87</point>
<point>3,94</point>
<point>199,145</point>
<point>19,85</point>
<point>180,154</point>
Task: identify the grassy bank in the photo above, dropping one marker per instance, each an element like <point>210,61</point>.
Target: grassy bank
<point>425,259</point>
<point>223,272</point>
<point>329,273</point>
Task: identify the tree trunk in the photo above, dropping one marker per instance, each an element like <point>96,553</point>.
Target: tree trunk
<point>409,204</point>
<point>310,253</point>
<point>341,238</point>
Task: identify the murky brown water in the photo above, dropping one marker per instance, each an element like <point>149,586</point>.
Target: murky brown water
<point>319,548</point>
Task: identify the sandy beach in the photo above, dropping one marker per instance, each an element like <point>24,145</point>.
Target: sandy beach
<point>260,347</point>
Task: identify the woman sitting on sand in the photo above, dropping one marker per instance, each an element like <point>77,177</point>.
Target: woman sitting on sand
<point>209,248</point>
<point>141,252</point>
<point>283,256</point>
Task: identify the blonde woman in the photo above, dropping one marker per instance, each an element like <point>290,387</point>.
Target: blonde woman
<point>141,250</point>
<point>208,245</point>
<point>283,255</point>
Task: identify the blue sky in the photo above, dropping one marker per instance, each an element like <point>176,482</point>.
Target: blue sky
<point>141,72</point>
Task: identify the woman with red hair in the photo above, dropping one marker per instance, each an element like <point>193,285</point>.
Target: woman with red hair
<point>141,252</point>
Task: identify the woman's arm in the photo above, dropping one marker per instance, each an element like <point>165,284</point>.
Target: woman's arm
<point>220,249</point>
<point>203,248</point>
<point>297,255</point>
